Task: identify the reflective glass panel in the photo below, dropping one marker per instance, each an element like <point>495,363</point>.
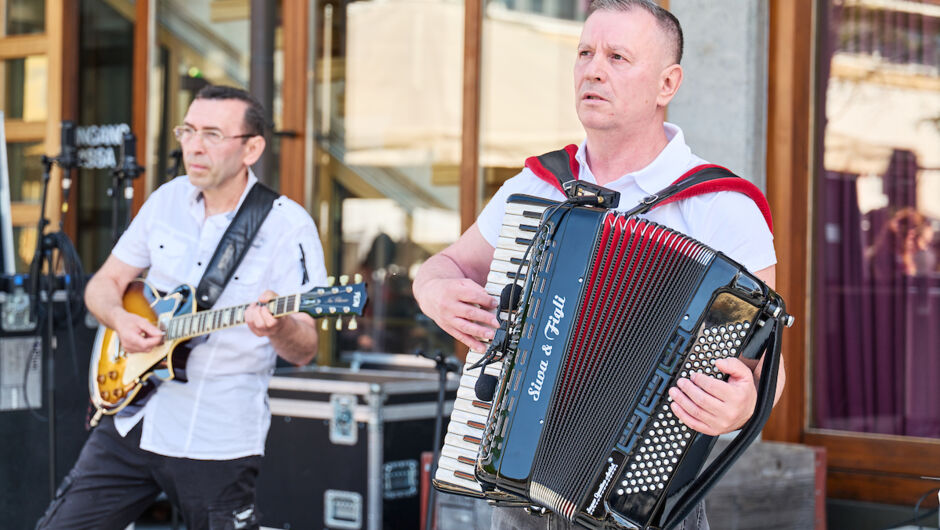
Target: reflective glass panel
<point>877,230</point>
<point>25,168</point>
<point>25,172</point>
<point>527,98</point>
<point>106,93</point>
<point>25,16</point>
<point>198,42</point>
<point>389,135</point>
<point>25,87</point>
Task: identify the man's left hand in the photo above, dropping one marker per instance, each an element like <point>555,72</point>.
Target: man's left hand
<point>712,406</point>
<point>259,320</point>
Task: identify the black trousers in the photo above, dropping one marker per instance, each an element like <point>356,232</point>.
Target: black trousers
<point>114,481</point>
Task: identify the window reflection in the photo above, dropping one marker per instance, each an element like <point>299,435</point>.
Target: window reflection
<point>24,88</point>
<point>527,111</point>
<point>389,135</point>
<point>877,359</point>
<point>25,16</point>
<point>23,159</point>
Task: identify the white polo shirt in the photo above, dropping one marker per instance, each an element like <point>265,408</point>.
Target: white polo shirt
<point>221,413</point>
<point>726,221</point>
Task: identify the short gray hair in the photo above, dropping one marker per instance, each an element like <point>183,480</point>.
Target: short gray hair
<point>667,22</point>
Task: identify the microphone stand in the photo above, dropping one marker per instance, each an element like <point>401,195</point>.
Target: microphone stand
<point>122,178</point>
<point>443,366</point>
<point>45,244</point>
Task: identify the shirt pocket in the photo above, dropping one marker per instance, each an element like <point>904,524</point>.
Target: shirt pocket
<point>168,261</point>
<point>249,279</point>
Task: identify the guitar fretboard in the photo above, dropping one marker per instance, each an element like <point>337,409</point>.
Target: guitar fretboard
<point>203,322</point>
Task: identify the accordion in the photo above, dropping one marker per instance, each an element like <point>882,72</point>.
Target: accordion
<point>611,310</point>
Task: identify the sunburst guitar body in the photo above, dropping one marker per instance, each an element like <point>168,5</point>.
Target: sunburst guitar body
<point>116,378</point>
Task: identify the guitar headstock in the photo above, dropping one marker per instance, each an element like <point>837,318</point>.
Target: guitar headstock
<point>345,299</point>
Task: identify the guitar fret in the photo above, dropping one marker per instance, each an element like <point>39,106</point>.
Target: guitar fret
<point>216,319</point>
<point>202,322</point>
<point>280,306</point>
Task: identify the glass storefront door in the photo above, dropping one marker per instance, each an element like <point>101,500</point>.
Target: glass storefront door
<point>877,231</point>
<point>388,120</point>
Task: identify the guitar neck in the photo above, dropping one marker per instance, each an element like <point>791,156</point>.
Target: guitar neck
<point>205,322</point>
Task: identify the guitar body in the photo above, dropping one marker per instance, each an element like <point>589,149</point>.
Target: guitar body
<point>117,377</point>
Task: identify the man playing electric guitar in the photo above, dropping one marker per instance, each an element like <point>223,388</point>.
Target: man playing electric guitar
<point>201,440</point>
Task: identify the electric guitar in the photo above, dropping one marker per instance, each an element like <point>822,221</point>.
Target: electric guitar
<point>115,377</point>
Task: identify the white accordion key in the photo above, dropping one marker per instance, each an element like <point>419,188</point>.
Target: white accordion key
<point>458,441</point>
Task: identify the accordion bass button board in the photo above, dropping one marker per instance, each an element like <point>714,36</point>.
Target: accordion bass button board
<point>613,311</point>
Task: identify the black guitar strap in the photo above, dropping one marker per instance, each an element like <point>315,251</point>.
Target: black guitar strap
<point>235,243</point>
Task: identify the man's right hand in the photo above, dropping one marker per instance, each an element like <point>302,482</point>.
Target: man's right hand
<point>448,287</point>
<point>137,334</point>
<point>462,308</point>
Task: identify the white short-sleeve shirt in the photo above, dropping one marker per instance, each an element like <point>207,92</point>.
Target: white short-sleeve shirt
<point>727,221</point>
<point>221,413</point>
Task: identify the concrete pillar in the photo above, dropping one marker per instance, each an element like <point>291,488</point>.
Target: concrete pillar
<point>722,103</point>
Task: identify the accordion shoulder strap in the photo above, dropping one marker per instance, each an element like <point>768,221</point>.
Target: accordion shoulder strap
<point>235,243</point>
<point>706,178</point>
<point>559,167</point>
<point>555,167</point>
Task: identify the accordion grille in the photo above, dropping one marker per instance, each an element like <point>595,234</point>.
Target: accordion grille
<point>639,285</point>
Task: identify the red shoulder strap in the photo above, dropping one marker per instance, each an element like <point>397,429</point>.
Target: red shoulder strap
<point>558,167</point>
<point>551,168</point>
<point>731,182</point>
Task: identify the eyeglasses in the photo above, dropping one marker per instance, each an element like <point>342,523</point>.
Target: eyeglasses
<point>208,136</point>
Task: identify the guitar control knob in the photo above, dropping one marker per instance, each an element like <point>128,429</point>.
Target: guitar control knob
<point>105,395</point>
<point>118,392</point>
<point>101,379</point>
<point>113,374</point>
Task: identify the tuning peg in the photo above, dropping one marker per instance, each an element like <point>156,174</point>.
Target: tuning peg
<point>353,325</point>
<point>357,278</point>
<point>325,325</point>
<point>339,324</point>
<point>344,279</point>
<point>330,281</point>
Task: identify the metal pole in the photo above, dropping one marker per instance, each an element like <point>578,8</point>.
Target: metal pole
<point>261,77</point>
<point>440,360</point>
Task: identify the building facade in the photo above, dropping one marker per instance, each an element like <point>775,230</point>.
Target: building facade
<point>394,121</point>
